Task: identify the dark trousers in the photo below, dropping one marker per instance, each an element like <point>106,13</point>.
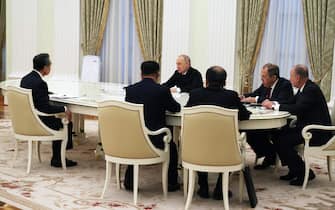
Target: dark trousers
<point>261,141</point>
<point>157,141</point>
<point>285,145</point>
<point>203,181</point>
<point>56,124</point>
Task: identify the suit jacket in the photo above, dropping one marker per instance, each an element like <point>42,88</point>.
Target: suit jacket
<point>191,80</point>
<point>281,93</point>
<point>310,107</point>
<point>218,97</point>
<point>156,100</point>
<point>41,101</point>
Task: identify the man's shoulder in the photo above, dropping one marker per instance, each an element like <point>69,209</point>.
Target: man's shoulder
<point>29,75</point>
<point>198,91</point>
<point>311,86</point>
<point>144,85</point>
<point>194,71</point>
<point>231,93</point>
<point>31,79</point>
<point>284,82</point>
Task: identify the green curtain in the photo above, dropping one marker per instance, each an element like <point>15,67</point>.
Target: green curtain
<point>252,18</point>
<point>319,19</point>
<point>94,15</point>
<point>2,34</point>
<point>149,17</point>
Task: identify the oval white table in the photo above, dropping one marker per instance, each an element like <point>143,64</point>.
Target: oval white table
<point>83,97</point>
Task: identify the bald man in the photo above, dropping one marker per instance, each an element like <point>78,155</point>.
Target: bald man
<point>310,107</point>
<point>185,78</point>
<point>215,94</point>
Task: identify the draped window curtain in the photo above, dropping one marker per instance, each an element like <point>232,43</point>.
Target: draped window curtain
<point>121,56</point>
<point>284,40</point>
<point>251,27</point>
<point>2,36</point>
<point>149,18</point>
<point>319,16</point>
<point>93,18</point>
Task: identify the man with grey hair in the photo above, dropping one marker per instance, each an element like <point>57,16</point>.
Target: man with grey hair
<point>274,88</point>
<point>310,107</point>
<point>185,78</point>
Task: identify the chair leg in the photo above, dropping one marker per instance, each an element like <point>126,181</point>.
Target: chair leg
<point>16,152</point>
<point>165,168</point>
<point>30,154</point>
<point>330,167</point>
<point>38,151</point>
<point>225,179</point>
<point>136,171</point>
<point>185,181</point>
<point>191,180</point>
<point>256,160</point>
<point>62,154</point>
<point>75,121</point>
<point>82,125</point>
<point>306,173</point>
<point>117,169</point>
<point>107,178</point>
<point>277,163</point>
<point>241,186</point>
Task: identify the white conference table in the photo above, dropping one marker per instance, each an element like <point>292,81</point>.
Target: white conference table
<point>83,98</point>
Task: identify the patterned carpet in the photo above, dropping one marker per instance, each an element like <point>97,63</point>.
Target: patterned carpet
<point>80,187</point>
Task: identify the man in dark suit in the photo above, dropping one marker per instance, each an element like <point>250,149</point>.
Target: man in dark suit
<point>34,81</point>
<point>273,88</point>
<point>310,107</point>
<point>156,100</point>
<point>215,94</point>
<point>185,78</point>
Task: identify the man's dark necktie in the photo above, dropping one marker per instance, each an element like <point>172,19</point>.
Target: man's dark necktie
<point>268,93</point>
<point>298,93</point>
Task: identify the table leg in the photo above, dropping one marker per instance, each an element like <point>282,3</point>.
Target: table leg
<point>78,128</point>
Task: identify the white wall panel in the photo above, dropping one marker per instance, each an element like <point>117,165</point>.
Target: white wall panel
<point>176,23</point>
<point>21,36</point>
<point>38,26</point>
<point>222,33</point>
<point>66,40</point>
<point>205,30</point>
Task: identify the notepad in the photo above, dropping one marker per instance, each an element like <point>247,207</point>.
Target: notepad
<point>62,96</point>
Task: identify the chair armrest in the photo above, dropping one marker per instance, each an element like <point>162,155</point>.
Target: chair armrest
<point>167,138</point>
<point>57,115</point>
<point>308,135</point>
<point>293,122</point>
<point>242,138</point>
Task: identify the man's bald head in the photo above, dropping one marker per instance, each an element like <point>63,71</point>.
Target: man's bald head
<point>299,75</point>
<point>216,77</point>
<point>301,70</point>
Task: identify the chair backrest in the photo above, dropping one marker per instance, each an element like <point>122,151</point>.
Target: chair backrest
<point>332,111</point>
<point>90,71</point>
<point>21,109</point>
<point>122,132</point>
<point>210,136</point>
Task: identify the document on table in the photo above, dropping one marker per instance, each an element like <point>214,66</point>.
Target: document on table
<point>62,96</point>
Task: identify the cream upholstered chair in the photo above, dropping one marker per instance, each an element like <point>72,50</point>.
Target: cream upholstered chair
<point>27,125</point>
<point>125,140</point>
<point>211,142</point>
<point>327,150</point>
